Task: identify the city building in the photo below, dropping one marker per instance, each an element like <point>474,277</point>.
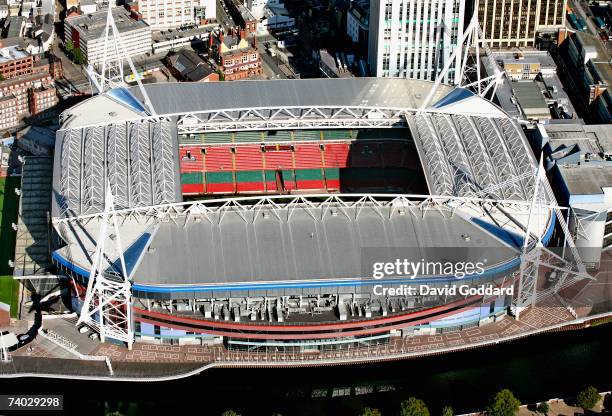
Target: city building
<point>186,65</point>
<point>257,7</point>
<point>36,140</point>
<point>515,23</point>
<point>332,67</point>
<point>4,9</point>
<point>88,6</point>
<point>28,87</point>
<point>14,61</point>
<point>243,17</point>
<point>276,17</point>
<point>20,88</point>
<point>172,40</point>
<point>522,69</point>
<point>589,71</point>
<point>531,100</point>
<point>166,14</point>
<point>42,98</point>
<point>414,39</point>
<point>357,22</point>
<point>236,57</point>
<point>9,110</point>
<point>87,33</point>
<point>579,161</point>
<point>15,27</point>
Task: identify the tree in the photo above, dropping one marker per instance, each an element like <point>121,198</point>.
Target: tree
<point>367,411</point>
<point>543,408</point>
<point>414,407</point>
<point>78,57</point>
<point>588,398</point>
<point>230,413</point>
<point>503,404</point>
<point>448,411</point>
<point>69,47</point>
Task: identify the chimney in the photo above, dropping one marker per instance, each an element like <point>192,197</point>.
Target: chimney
<point>242,34</point>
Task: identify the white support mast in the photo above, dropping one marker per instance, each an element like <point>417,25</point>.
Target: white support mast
<point>534,254</point>
<point>468,74</point>
<point>107,307</point>
<point>111,73</point>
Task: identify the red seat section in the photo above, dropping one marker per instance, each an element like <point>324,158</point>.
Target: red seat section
<point>218,158</point>
<point>308,156</point>
<point>278,159</point>
<point>191,159</point>
<point>336,155</point>
<point>249,157</point>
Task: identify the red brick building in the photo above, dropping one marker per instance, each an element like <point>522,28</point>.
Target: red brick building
<point>236,57</point>
<point>14,62</point>
<point>42,99</point>
<point>27,89</point>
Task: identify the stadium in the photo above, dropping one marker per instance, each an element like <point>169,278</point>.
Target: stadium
<point>251,212</point>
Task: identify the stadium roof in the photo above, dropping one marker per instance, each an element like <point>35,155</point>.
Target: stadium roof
<point>232,247</point>
<point>467,145</point>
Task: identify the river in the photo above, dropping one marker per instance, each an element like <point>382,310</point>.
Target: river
<point>537,368</point>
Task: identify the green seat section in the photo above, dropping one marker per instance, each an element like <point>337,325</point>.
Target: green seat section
<point>249,176</point>
<point>248,137</point>
<point>332,173</point>
<point>219,177</point>
<point>278,136</point>
<point>224,137</point>
<point>270,175</point>
<point>308,174</point>
<point>337,134</point>
<point>190,178</point>
<point>307,135</point>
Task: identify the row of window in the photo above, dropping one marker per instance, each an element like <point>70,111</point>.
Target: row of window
<point>243,59</point>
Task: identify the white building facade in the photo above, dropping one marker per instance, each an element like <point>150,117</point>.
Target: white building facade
<point>166,14</point>
<point>257,7</point>
<point>414,38</point>
<point>86,32</point>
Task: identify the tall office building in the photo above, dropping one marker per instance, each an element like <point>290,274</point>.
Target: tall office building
<point>516,22</point>
<point>165,14</point>
<point>414,38</point>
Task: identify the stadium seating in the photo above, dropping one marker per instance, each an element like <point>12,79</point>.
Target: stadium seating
<point>303,160</point>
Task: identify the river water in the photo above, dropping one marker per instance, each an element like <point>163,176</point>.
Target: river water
<point>537,368</point>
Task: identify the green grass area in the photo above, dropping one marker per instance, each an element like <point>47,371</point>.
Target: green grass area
<point>9,292</point>
<point>9,207</point>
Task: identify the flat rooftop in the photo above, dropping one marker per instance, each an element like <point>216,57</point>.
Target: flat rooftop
<point>12,53</point>
<point>330,247</point>
<point>592,138</point>
<point>530,98</point>
<point>91,26</point>
<point>587,180</point>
